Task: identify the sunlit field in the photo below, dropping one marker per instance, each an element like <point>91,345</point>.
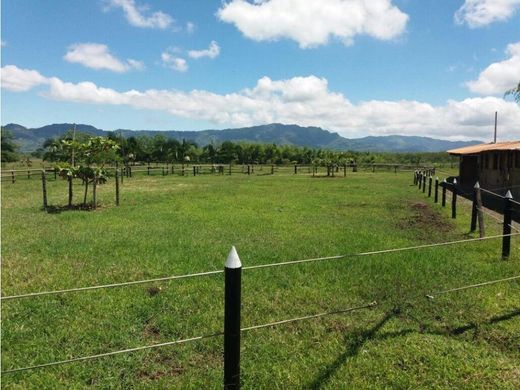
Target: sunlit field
<point>173,225</point>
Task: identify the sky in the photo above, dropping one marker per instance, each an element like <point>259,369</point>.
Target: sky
<point>435,68</point>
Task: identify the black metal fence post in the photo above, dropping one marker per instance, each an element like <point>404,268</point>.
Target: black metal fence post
<point>430,180</point>
<point>506,240</point>
<point>424,183</point>
<point>454,199</point>
<point>232,303</point>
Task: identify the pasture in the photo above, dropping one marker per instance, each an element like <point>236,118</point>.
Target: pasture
<point>172,225</point>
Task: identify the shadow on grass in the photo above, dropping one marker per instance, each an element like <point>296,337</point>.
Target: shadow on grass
<point>53,209</point>
<point>351,350</point>
<point>371,334</point>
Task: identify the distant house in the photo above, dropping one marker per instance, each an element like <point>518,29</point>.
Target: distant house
<point>496,166</point>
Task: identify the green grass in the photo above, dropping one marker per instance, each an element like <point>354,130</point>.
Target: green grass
<point>175,225</point>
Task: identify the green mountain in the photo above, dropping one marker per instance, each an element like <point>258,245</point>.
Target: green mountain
<point>280,134</point>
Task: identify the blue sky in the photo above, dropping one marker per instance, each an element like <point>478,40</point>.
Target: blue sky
<point>411,67</point>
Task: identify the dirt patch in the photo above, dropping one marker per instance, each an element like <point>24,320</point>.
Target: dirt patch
<point>425,222</point>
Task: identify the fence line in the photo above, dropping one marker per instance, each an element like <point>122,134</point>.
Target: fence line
<point>244,329</point>
<point>433,295</point>
<point>100,355</point>
<point>173,277</point>
<point>182,341</point>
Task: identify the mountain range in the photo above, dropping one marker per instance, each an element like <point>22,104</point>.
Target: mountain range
<point>29,139</point>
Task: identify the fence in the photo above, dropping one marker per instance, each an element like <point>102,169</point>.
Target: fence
<point>232,328</point>
<point>510,209</point>
<point>166,169</point>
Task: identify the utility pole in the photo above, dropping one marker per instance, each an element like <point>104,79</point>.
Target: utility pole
<point>495,138</point>
<point>73,139</point>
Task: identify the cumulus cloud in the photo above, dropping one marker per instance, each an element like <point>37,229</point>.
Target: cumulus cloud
<point>170,60</point>
<point>307,101</point>
<point>312,23</point>
<point>135,15</point>
<point>211,52</point>
<point>98,56</point>
<point>19,80</point>
<point>479,13</point>
<point>499,76</point>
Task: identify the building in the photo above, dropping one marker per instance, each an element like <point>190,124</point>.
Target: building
<point>496,166</point>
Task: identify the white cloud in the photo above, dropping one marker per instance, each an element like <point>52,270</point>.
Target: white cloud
<point>173,62</point>
<point>306,101</point>
<point>312,23</point>
<point>211,52</point>
<point>19,80</point>
<point>479,13</point>
<point>499,76</point>
<point>98,56</point>
<point>190,27</point>
<point>135,15</point>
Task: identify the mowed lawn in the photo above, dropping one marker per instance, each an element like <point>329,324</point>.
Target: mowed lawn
<point>175,225</point>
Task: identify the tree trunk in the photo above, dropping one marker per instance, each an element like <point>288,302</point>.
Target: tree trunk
<point>69,178</point>
<point>85,195</point>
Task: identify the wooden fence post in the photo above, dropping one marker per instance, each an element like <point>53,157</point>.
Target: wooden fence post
<point>436,196</point>
<point>272,169</point>
<point>474,209</point>
<point>344,170</point>
<point>28,174</point>
<point>117,187</point>
<point>480,212</point>
<point>430,187</point>
<point>454,199</point>
<point>13,177</point>
<point>506,240</point>
<point>44,189</point>
<point>232,304</point>
<point>424,183</point>
<point>148,169</point>
<point>248,169</point>
<point>444,184</point>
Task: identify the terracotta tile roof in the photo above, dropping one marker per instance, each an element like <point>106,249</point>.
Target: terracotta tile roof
<point>475,149</point>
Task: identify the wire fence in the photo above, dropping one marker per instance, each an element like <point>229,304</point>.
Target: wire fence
<point>231,283</point>
<point>252,267</point>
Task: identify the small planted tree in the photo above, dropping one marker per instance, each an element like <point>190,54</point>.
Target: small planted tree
<point>92,157</point>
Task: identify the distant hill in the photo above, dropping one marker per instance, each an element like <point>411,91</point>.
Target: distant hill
<point>280,134</point>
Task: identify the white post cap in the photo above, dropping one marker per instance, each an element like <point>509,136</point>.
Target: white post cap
<point>233,261</point>
<point>454,181</point>
<point>509,195</point>
<point>477,185</point>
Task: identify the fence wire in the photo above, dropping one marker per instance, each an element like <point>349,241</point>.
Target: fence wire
<point>173,277</point>
<point>182,341</point>
<point>433,295</point>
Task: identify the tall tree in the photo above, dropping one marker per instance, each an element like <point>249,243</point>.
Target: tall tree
<point>9,148</point>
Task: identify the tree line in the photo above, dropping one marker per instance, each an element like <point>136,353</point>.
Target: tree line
<point>160,149</point>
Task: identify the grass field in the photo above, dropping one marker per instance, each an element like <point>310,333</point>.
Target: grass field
<point>175,225</point>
